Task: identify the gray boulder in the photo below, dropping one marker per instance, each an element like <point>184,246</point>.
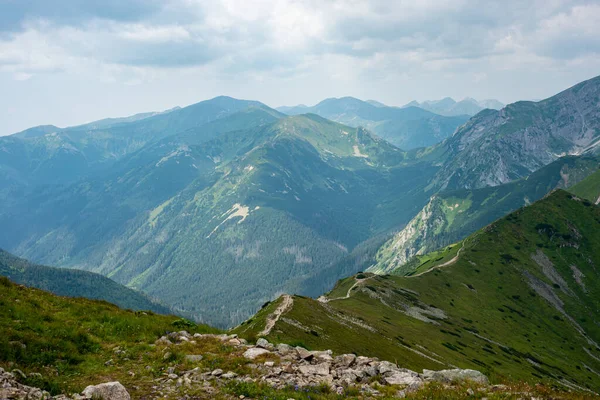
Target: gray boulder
<point>107,391</point>
<point>455,375</point>
<point>254,352</point>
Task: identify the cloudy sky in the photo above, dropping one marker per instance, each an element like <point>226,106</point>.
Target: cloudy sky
<point>66,62</point>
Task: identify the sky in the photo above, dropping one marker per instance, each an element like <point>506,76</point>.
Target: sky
<point>66,62</point>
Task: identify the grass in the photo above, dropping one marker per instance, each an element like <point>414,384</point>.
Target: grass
<point>71,340</point>
<point>589,188</point>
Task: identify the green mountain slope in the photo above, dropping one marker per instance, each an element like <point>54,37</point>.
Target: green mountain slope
<point>68,341</point>
<point>451,216</point>
<point>244,207</point>
<point>47,154</point>
<point>74,283</point>
<point>407,128</point>
<point>589,188</point>
<point>520,300</point>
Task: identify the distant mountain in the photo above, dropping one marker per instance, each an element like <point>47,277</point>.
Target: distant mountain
<point>74,283</point>
<point>508,300</point>
<point>48,154</point>
<point>450,107</point>
<point>245,206</point>
<point>451,216</point>
<point>231,199</point>
<point>497,147</point>
<point>407,128</point>
<point>376,103</point>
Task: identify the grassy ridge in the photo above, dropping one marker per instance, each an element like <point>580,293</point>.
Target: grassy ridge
<point>69,340</point>
<point>519,304</point>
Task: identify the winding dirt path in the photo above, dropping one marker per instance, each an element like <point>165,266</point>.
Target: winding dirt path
<point>272,319</point>
<point>447,263</point>
<point>324,299</point>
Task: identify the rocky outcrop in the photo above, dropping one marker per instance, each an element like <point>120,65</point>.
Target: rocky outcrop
<point>282,366</point>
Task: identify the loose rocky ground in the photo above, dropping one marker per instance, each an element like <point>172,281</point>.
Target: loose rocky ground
<point>234,369</point>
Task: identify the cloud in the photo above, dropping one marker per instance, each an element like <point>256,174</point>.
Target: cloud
<point>281,34</point>
<point>394,51</point>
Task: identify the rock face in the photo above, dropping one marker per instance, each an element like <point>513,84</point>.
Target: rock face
<point>495,147</point>
<point>106,391</point>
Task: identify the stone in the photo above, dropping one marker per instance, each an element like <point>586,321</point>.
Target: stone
<point>229,375</point>
<point>345,360</point>
<point>194,357</point>
<point>284,349</point>
<point>106,391</point>
<point>217,372</point>
<point>263,344</point>
<point>386,367</point>
<point>254,352</point>
<point>470,392</point>
<point>163,341</point>
<point>403,378</point>
<point>319,369</point>
<point>269,363</point>
<point>304,354</point>
<point>455,375</point>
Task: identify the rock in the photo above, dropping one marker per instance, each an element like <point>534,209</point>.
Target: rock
<point>455,375</point>
<point>323,356</point>
<point>362,360</point>
<point>194,357</point>
<point>254,352</point>
<point>345,360</point>
<point>304,354</point>
<point>405,377</point>
<point>163,341</point>
<point>470,392</point>
<point>217,372</point>
<point>386,367</point>
<point>172,376</point>
<point>284,349</point>
<point>269,364</point>
<point>229,375</point>
<point>106,391</point>
<point>264,344</point>
<point>319,369</point>
<point>235,342</point>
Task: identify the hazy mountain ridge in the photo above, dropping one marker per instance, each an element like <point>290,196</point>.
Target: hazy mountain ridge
<point>450,107</point>
<point>407,128</point>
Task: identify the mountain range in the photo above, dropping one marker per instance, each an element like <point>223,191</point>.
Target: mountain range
<point>450,107</point>
<point>230,199</point>
<point>408,128</point>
